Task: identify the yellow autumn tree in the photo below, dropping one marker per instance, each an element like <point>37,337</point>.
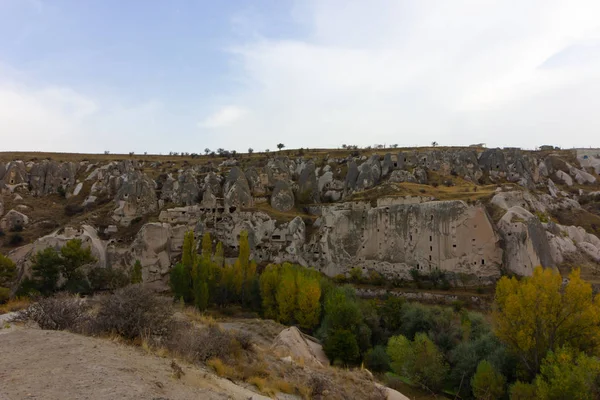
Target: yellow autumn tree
<point>268,283</point>
<point>308,308</point>
<point>286,295</point>
<point>537,314</point>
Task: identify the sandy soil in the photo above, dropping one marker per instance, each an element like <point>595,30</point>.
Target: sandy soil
<point>39,364</point>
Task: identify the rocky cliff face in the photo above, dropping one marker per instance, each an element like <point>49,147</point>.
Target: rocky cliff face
<point>478,213</point>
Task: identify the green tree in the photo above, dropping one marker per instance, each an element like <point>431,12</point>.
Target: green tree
<point>247,269</point>
<point>487,383</point>
<point>523,391</point>
<point>179,282</point>
<point>568,374</point>
<point>136,273</point>
<point>8,273</point>
<point>536,315</point>
<point>200,276</point>
<point>73,257</point>
<point>377,360</point>
<point>421,361</point>
<point>219,257</point>
<point>46,270</point>
<point>341,346</point>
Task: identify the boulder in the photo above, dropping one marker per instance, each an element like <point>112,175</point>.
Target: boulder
<point>257,186</point>
<point>387,166</point>
<point>282,198</point>
<point>564,177</point>
<point>308,188</point>
<point>292,342</point>
<point>351,176</point>
<point>237,190</point>
<point>14,220</point>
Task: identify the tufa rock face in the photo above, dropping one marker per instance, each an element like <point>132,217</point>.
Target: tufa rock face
<point>136,197</point>
<point>308,190</point>
<point>526,243</point>
<point>282,198</point>
<point>393,239</point>
<point>237,190</point>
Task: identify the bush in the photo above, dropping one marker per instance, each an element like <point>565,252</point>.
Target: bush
<point>4,294</point>
<point>134,312</point>
<point>107,279</point>
<point>377,360</point>
<point>15,239</point>
<point>60,312</point>
<point>203,344</point>
<point>73,209</point>
<point>17,228</point>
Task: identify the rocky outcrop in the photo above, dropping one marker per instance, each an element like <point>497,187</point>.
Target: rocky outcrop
<point>236,189</point>
<point>135,198</point>
<point>526,243</point>
<point>308,188</point>
<point>183,190</point>
<point>393,239</point>
<point>282,198</point>
<point>14,221</point>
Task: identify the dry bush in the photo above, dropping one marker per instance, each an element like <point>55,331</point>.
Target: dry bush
<point>16,304</point>
<point>60,312</point>
<point>221,368</point>
<point>134,312</point>
<point>198,345</point>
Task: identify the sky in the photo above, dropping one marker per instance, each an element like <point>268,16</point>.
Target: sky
<point>184,75</point>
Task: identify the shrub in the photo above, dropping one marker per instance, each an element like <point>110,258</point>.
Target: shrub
<point>60,312</point>
<point>377,359</point>
<point>487,383</point>
<point>4,294</point>
<point>107,279</point>
<point>203,344</point>
<point>73,209</point>
<point>134,312</point>
<point>15,239</point>
<point>17,228</point>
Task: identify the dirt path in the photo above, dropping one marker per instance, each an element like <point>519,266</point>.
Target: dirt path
<point>39,364</point>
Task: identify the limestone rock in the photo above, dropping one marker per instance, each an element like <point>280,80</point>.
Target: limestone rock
<point>14,220</point>
<point>399,176</point>
<point>552,188</point>
<point>526,242</point>
<point>277,171</point>
<point>351,176</point>
<point>563,176</point>
<point>183,190</point>
<point>395,238</point>
<point>387,166</point>
<point>237,190</point>
<point>136,197</point>
<point>256,182</point>
<point>292,342</point>
<point>308,189</point>
<point>282,198</point>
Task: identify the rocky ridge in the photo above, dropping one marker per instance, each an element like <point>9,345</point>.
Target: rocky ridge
<point>468,212</point>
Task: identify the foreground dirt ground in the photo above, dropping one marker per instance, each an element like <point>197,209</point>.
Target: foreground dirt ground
<point>49,365</point>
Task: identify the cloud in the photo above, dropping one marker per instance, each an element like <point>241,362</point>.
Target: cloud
<point>224,117</point>
<point>412,72</point>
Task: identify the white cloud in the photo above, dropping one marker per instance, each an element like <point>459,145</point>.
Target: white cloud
<point>226,116</point>
<point>411,72</point>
